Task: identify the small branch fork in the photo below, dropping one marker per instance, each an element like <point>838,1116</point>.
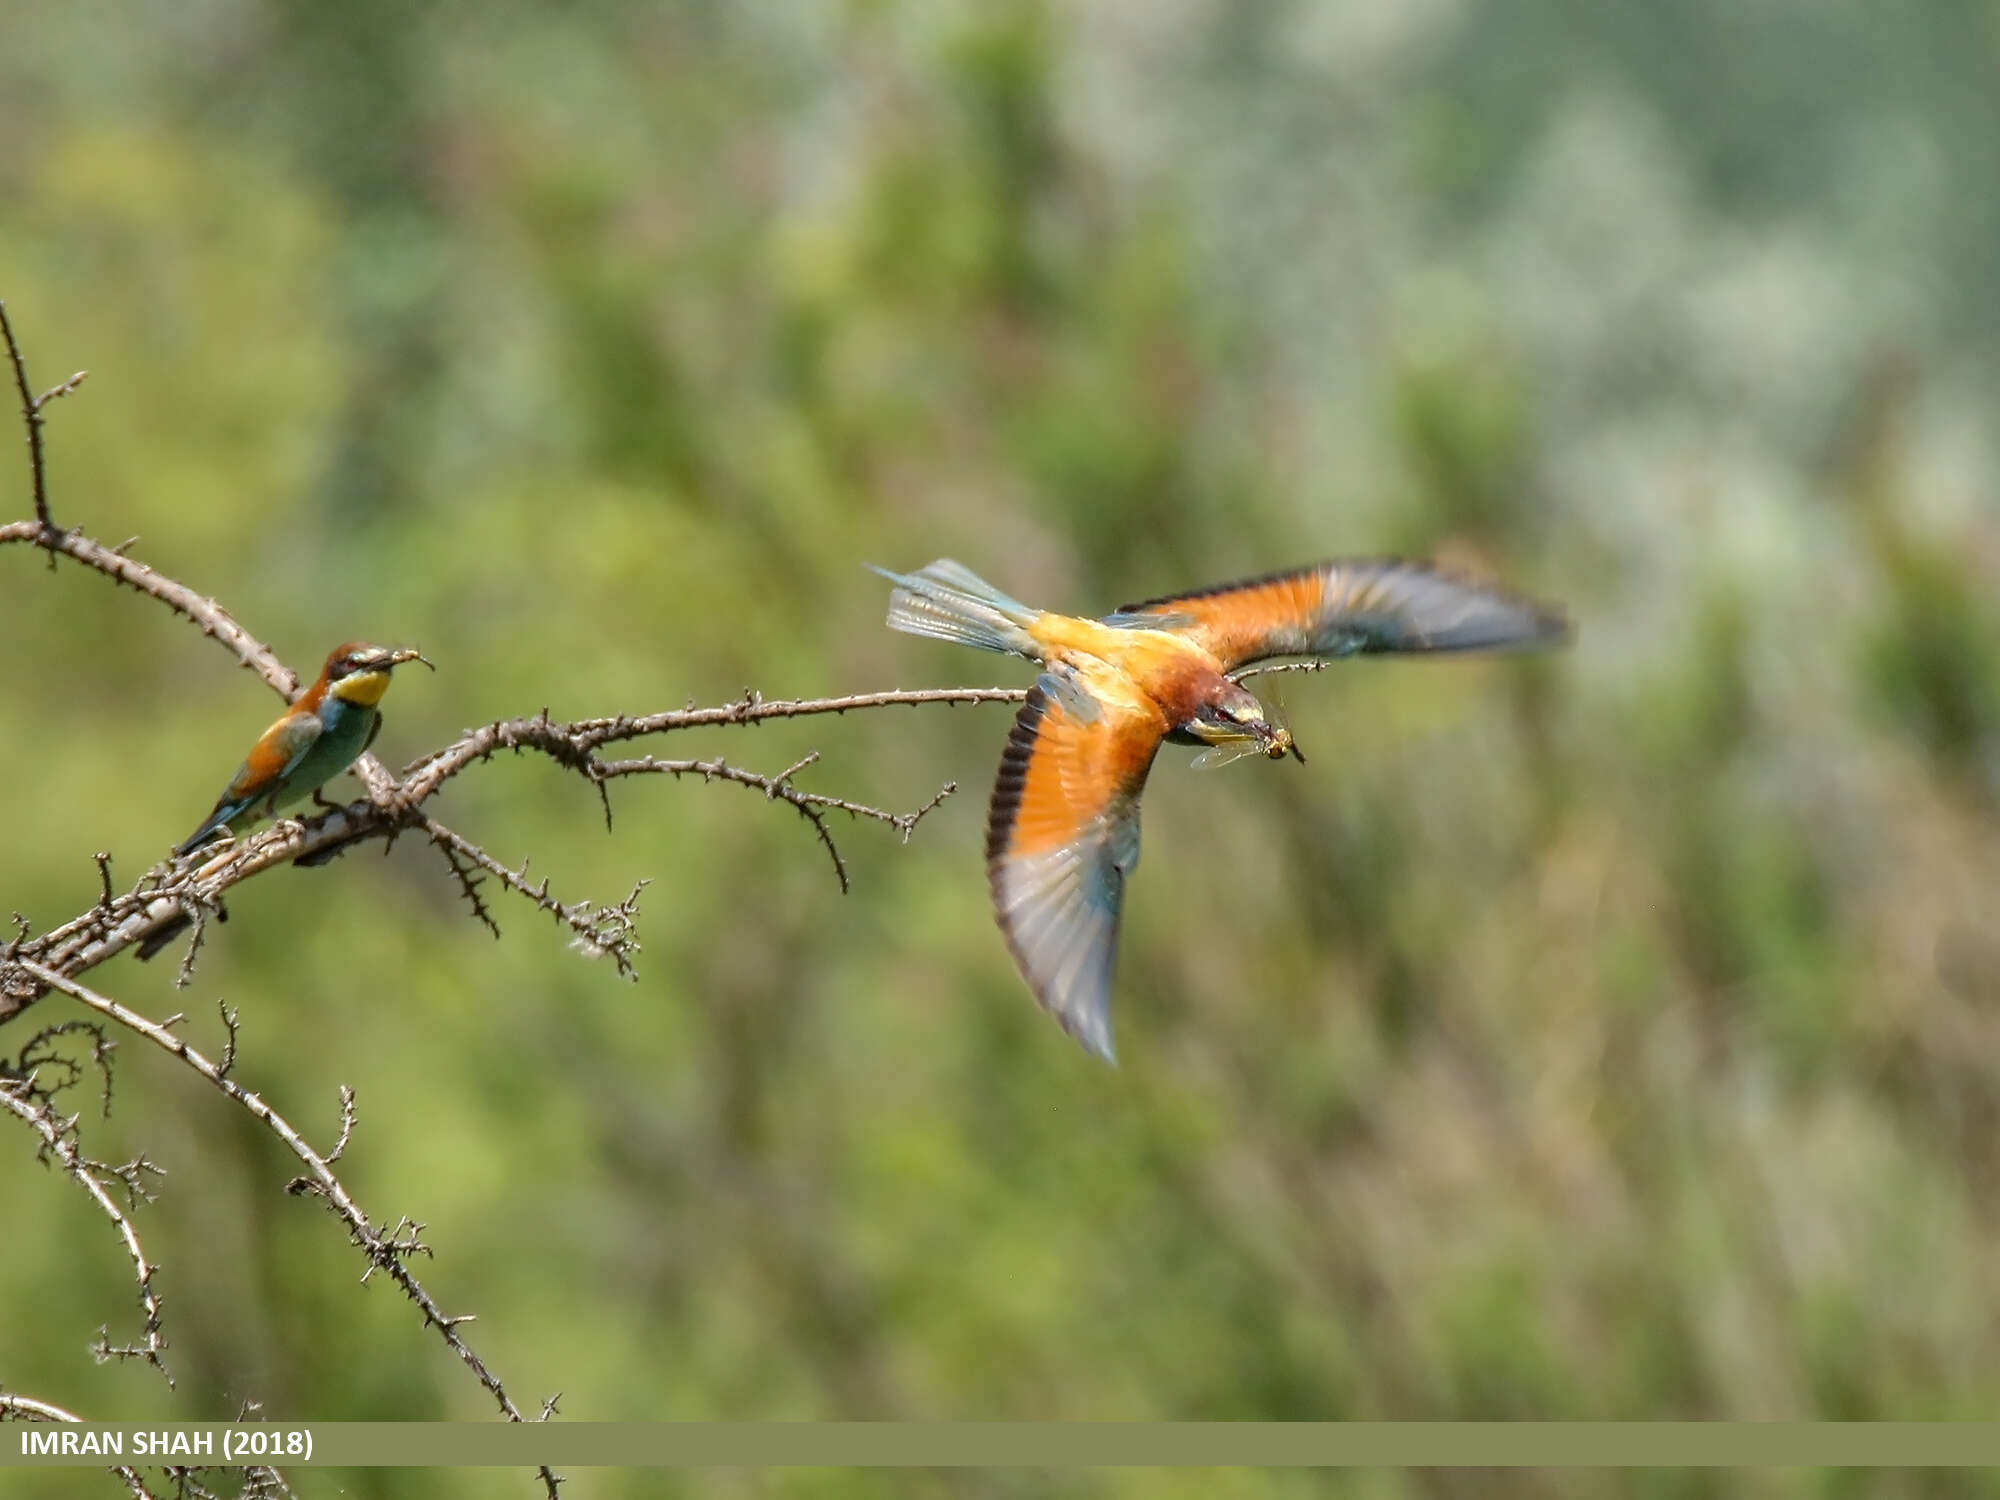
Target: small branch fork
<point>601,931</point>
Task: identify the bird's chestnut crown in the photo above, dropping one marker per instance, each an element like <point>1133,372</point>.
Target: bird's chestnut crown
<point>359,672</point>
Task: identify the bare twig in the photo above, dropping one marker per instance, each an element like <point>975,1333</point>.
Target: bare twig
<point>213,620</point>
<point>229,1031</point>
<point>346,1126</point>
<point>59,1143</point>
<point>27,1409</point>
<point>188,1485</point>
<point>812,806</point>
<point>469,881</point>
<point>40,1057</point>
<point>197,915</point>
<point>386,1250</point>
<point>600,931</point>
<point>111,561</point>
<point>1243,674</point>
<point>906,823</point>
<point>31,414</point>
<point>568,743</point>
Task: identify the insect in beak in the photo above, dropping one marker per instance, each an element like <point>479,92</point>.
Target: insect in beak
<point>398,657</point>
<point>1280,743</point>
<point>1230,751</point>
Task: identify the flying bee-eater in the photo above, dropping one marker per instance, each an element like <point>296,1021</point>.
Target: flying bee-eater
<point>1063,829</point>
<point>328,727</point>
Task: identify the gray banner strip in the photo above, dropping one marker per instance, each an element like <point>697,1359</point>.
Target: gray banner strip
<point>1012,1444</point>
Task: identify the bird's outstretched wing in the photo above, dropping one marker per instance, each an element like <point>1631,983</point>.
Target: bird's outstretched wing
<point>1062,836</point>
<point>277,751</point>
<point>1346,607</point>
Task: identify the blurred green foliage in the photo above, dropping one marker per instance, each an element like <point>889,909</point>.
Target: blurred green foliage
<point>1612,1035</point>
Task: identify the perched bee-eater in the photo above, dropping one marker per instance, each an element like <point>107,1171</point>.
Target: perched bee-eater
<point>327,729</point>
<point>1063,830</point>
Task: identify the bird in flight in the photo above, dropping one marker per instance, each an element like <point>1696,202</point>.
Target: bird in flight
<point>1063,830</point>
<point>327,728</point>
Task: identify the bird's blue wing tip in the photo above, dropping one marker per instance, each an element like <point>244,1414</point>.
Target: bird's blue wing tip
<point>1095,1038</point>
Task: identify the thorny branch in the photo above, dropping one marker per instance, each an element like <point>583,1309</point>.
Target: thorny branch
<point>260,1482</point>
<point>386,1249</point>
<point>812,806</point>
<point>175,892</point>
<point>1265,669</point>
<point>27,1409</point>
<point>24,1098</point>
<point>31,413</point>
<point>601,931</point>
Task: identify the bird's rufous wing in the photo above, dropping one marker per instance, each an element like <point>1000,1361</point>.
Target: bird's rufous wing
<point>277,751</point>
<point>1346,607</point>
<point>1063,835</point>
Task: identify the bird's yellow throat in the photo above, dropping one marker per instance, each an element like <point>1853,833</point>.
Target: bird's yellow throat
<point>363,689</point>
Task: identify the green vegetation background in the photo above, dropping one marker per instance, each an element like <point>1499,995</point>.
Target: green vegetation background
<point>1616,1035</point>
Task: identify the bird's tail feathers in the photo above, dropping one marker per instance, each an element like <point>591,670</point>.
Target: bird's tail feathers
<point>210,830</point>
<point>947,601</point>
